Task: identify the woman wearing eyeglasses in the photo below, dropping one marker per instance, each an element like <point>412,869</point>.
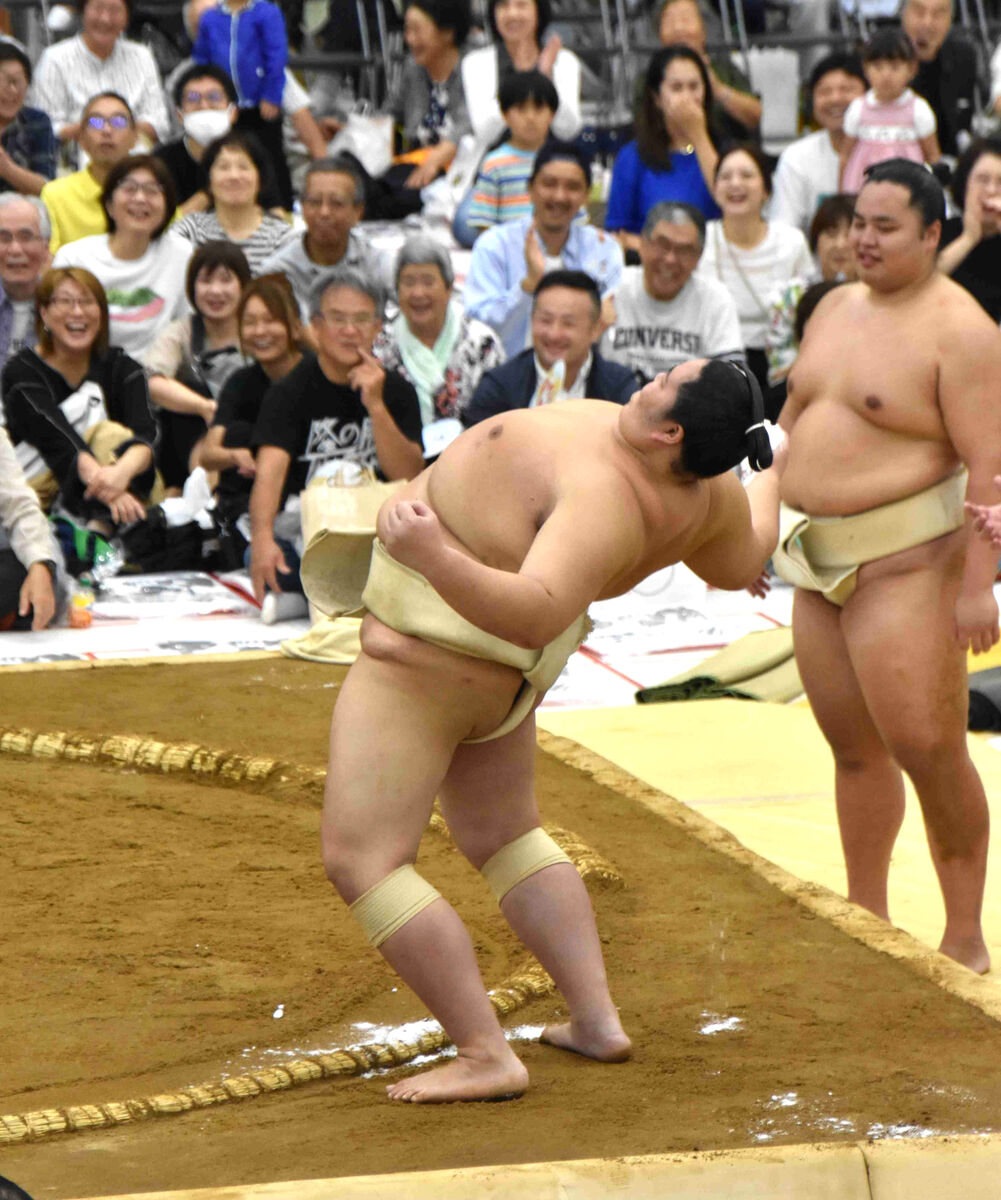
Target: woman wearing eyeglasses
<point>78,410</point>
<point>141,266</point>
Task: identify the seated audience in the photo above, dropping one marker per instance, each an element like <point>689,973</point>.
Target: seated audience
<point>433,344</point>
<point>889,120</point>
<point>673,156</point>
<point>195,355</point>
<point>333,201</point>
<point>24,259</point>
<point>340,408</point>
<point>295,99</point>
<point>735,110</point>
<point>830,243</point>
<point>970,249</point>
<point>748,254</point>
<point>27,552</point>
<point>563,362</point>
<point>517,27</point>
<point>100,59</point>
<point>28,147</point>
<point>528,101</point>
<point>948,69</point>
<point>509,260</point>
<point>237,177</point>
<point>272,338</point>
<point>665,313</point>
<point>808,168</point>
<point>74,201</point>
<point>428,102</point>
<point>140,264</point>
<point>248,39</point>
<point>206,105</point>
<point>77,409</point>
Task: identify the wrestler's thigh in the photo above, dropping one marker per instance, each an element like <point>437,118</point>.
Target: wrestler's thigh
<point>829,679</point>
<point>390,747</point>
<point>900,633</point>
<point>488,795</point>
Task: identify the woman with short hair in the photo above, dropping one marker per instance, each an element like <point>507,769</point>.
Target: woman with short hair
<point>271,337</point>
<point>191,360</point>
<point>141,264</point>
<point>77,408</point>
<point>238,180</point>
<point>433,343</point>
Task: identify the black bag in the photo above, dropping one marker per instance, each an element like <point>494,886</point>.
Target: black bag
<point>153,545</point>
<point>985,701</point>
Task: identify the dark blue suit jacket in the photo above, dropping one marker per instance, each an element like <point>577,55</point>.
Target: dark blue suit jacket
<point>512,385</point>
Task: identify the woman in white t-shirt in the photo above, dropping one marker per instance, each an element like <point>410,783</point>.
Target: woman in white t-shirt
<point>140,265</point>
<point>749,254</point>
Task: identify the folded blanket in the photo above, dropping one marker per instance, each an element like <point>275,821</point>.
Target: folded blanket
<point>759,666</point>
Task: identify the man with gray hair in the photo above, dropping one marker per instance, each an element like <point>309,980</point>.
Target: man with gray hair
<point>333,202</point>
<point>665,314</point>
<point>24,257</point>
<point>340,407</point>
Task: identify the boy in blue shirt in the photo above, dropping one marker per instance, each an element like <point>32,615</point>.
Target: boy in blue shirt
<point>247,39</point>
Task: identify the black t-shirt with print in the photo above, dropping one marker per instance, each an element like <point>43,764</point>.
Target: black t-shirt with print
<point>316,421</point>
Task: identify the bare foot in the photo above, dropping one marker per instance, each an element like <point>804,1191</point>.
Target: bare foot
<point>607,1043</point>
<point>968,952</point>
<point>464,1078</point>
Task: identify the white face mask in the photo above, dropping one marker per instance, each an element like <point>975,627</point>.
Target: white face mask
<point>207,124</point>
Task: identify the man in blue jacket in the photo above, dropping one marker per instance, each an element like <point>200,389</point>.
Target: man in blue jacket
<point>563,362</point>
<point>247,39</point>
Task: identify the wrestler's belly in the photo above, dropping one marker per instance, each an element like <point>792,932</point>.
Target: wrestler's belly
<point>839,463</point>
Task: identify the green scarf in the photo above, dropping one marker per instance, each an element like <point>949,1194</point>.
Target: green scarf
<point>425,367</point>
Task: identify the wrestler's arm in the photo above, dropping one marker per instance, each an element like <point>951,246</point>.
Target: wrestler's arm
<point>969,381</point>
<point>578,551</point>
<point>743,530</point>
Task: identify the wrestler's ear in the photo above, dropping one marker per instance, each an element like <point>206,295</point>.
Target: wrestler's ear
<point>669,434</point>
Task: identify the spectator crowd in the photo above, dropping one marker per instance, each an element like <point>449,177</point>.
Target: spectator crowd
<point>205,273</point>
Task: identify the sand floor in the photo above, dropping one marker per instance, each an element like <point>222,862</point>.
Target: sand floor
<point>154,927</point>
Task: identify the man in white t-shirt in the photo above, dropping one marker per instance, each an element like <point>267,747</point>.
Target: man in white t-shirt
<point>808,168</point>
<point>665,314</point>
<point>24,258</point>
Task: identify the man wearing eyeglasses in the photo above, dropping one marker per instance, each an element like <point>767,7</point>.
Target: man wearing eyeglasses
<point>107,135</point>
<point>24,257</point>
<point>665,314</point>
<point>206,108</point>
<point>338,409</point>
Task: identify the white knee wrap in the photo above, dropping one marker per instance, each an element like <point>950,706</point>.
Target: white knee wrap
<point>519,859</point>
<point>394,901</point>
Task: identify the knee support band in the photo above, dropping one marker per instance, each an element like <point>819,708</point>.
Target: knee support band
<point>519,859</point>
<point>394,901</point>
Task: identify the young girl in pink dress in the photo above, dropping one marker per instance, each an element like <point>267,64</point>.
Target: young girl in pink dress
<point>890,120</point>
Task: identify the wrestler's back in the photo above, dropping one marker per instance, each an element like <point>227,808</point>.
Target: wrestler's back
<point>863,399</point>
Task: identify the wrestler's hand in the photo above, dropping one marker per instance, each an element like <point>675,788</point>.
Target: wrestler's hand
<point>987,518</point>
<point>412,534</point>
<point>977,621</point>
<point>761,586</point>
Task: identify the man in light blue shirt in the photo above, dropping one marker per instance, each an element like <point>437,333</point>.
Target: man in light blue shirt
<point>509,260</point>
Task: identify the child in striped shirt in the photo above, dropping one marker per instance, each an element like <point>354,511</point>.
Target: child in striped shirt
<point>528,101</point>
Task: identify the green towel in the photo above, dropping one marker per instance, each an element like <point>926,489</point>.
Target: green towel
<point>759,666</point>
